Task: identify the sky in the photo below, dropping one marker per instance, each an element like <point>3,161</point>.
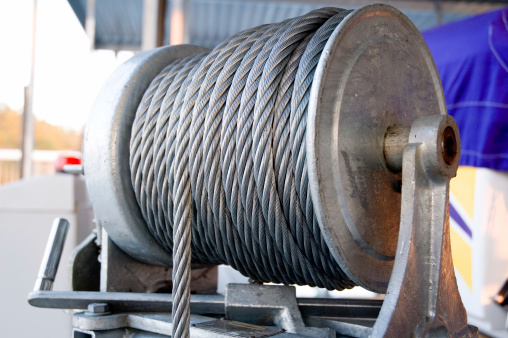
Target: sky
<point>67,75</point>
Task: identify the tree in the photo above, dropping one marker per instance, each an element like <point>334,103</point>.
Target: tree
<point>47,136</point>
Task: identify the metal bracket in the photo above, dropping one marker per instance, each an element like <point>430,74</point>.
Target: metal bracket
<point>422,296</point>
<point>122,273</point>
<point>161,324</point>
<point>269,305</point>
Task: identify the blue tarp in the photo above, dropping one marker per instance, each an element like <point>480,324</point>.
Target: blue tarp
<point>472,59</point>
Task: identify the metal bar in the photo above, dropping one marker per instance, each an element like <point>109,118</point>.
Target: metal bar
<point>200,304</point>
<point>52,254</point>
<point>123,301</point>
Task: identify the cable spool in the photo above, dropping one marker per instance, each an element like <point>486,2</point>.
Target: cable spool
<point>371,72</point>
<point>231,102</point>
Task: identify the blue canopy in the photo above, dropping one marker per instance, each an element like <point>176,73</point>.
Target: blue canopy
<point>471,56</point>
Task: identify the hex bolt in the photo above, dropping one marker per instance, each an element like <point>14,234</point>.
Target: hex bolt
<point>98,309</point>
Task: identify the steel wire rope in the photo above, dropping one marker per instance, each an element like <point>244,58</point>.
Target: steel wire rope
<point>217,159</point>
<point>228,151</point>
<point>262,148</point>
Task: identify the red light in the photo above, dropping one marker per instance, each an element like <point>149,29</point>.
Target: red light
<point>63,160</point>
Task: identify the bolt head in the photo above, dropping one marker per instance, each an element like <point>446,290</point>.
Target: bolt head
<point>98,309</point>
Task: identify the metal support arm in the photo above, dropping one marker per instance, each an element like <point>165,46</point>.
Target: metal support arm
<point>422,297</point>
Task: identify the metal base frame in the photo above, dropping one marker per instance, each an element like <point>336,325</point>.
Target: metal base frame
<point>422,297</point>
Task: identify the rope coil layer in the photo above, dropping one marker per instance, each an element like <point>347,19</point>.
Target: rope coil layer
<point>218,148</point>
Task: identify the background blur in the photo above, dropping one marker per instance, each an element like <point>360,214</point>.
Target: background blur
<point>66,49</point>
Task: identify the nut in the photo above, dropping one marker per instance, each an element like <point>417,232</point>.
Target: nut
<point>98,309</point>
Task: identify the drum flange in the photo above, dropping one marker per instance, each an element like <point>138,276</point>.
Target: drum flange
<point>374,73</point>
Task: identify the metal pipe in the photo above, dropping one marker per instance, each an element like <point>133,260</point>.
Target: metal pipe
<point>52,254</point>
<point>76,169</point>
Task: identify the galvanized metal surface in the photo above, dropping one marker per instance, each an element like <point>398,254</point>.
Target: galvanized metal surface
<point>376,72</point>
<point>76,169</point>
<point>122,273</point>
<point>149,324</point>
<point>123,301</point>
<point>156,302</point>
<point>117,333</point>
<point>52,254</point>
<point>98,309</point>
<point>106,152</point>
<point>422,296</point>
<point>85,265</point>
<point>238,329</point>
<point>268,305</point>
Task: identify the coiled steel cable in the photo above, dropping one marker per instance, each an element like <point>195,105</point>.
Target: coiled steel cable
<point>217,147</point>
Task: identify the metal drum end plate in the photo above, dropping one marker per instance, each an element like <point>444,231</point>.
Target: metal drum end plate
<point>106,152</point>
<point>376,71</point>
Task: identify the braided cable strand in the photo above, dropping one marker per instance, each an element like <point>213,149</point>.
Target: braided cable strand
<point>147,149</point>
<point>135,144</point>
<point>228,151</point>
<point>263,119</point>
<point>218,159</point>
<point>212,127</point>
<point>244,164</point>
<point>221,225</point>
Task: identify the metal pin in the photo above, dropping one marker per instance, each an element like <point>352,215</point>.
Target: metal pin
<point>76,169</point>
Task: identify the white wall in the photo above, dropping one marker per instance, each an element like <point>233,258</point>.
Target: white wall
<point>27,211</point>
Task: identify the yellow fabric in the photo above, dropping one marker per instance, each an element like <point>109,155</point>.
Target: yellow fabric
<point>462,256</point>
<point>462,187</point>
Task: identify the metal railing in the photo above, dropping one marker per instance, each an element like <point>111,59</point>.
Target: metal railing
<point>43,163</point>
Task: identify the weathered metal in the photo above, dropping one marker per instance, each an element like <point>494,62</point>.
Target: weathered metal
<point>422,296</point>
<point>98,309</point>
<point>375,73</point>
<point>122,273</point>
<point>85,265</point>
<point>396,139</point>
<point>107,169</point>
<point>269,305</point>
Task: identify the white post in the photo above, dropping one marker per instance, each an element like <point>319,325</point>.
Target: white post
<point>27,133</point>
